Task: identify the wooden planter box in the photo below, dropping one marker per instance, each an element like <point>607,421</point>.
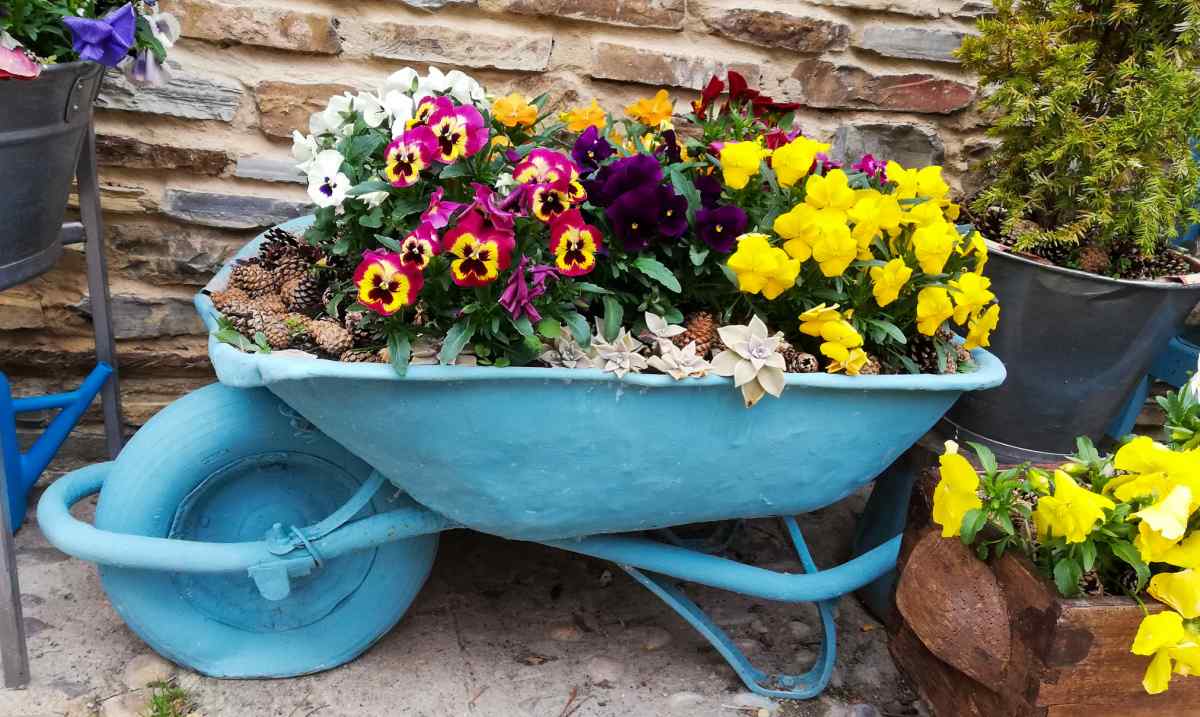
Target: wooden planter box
<point>995,639</point>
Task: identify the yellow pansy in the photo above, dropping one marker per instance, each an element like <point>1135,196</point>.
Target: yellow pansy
<point>957,493</point>
<point>888,280</point>
<point>933,308</point>
<point>874,214</point>
<point>762,268</point>
<point>793,160</point>
<point>933,245</point>
<point>970,293</point>
<point>798,228</point>
<point>1164,636</point>
<point>834,248</point>
<point>843,359</point>
<point>1071,512</point>
<point>1169,516</point>
<point>652,111</point>
<point>979,330</point>
<point>812,321</point>
<point>924,182</point>
<point>1185,554</point>
<point>1152,547</point>
<point>740,161</point>
<point>924,214</point>
<point>580,118</point>
<point>514,110</point>
<point>1180,590</point>
<point>830,193</point>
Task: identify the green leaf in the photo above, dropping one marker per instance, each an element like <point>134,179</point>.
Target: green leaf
<point>684,186</point>
<point>458,169</point>
<point>456,338</point>
<point>591,288</point>
<point>232,337</point>
<point>405,206</point>
<point>891,330</point>
<point>1087,554</point>
<point>697,254</point>
<point>373,219</point>
<point>1005,523</point>
<point>1125,551</point>
<point>656,270</point>
<point>523,326</point>
<point>390,242</point>
<point>579,328</point>
<point>613,315</point>
<point>549,328</point>
<point>986,458</point>
<point>371,185</point>
<point>673,316</point>
<point>399,352</point>
<point>1066,576</point>
<point>732,277</point>
<point>260,340</point>
<point>972,522</point>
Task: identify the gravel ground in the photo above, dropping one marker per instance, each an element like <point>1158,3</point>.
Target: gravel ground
<point>502,629</point>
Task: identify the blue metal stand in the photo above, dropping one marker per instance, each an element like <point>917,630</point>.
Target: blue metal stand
<point>1172,366</point>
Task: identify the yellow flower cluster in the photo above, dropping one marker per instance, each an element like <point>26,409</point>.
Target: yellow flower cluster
<point>514,111</point>
<point>762,268</point>
<point>957,493</point>
<point>652,111</point>
<point>580,118</point>
<point>1171,637</point>
<point>840,342</point>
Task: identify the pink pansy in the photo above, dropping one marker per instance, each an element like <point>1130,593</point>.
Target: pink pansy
<point>419,246</point>
<point>386,284</point>
<point>407,155</point>
<point>460,132</point>
<point>542,166</point>
<point>439,212</point>
<point>491,207</point>
<point>427,107</point>
<point>518,296</point>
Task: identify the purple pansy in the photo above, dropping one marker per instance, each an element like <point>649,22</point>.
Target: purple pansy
<point>672,213</point>
<point>868,165</point>
<point>591,149</point>
<point>719,227</point>
<point>105,40</point>
<point>710,190</point>
<point>440,212</point>
<point>629,173</point>
<point>518,296</point>
<point>634,216</point>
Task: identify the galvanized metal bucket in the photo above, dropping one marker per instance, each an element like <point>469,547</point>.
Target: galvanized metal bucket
<point>1075,345</point>
<point>42,125</point>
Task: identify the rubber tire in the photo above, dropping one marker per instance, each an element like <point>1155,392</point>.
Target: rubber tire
<point>174,454</point>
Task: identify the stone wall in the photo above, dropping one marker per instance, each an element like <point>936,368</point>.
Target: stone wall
<point>193,169</point>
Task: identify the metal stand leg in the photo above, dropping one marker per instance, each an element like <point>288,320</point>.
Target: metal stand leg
<point>809,684</point>
<point>14,656</point>
<point>97,273</point>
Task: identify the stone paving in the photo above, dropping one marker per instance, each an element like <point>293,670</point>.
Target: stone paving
<point>502,629</point>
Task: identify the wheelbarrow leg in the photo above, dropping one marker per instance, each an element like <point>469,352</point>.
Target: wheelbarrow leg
<point>14,655</point>
<point>809,684</point>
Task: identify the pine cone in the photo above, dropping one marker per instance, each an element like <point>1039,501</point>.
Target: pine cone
<point>799,362</point>
<point>1094,259</point>
<point>279,336</point>
<point>355,323</point>
<point>701,328</point>
<point>871,368</point>
<point>291,266</point>
<point>922,350</point>
<point>231,297</point>
<point>266,304</point>
<point>303,293</point>
<point>362,356</point>
<point>248,324</point>
<point>332,338</point>
<point>252,278</point>
<point>277,245</point>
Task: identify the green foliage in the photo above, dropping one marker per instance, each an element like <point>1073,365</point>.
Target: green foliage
<point>1094,103</point>
<point>38,25</point>
<point>168,700</point>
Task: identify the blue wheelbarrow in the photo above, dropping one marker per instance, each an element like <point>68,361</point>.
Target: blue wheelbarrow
<point>280,522</point>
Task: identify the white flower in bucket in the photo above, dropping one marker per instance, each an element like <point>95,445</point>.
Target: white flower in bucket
<point>337,117</point>
<point>327,185</point>
<point>464,89</point>
<point>373,199</point>
<point>434,83</point>
<point>403,81</point>
<point>304,150</point>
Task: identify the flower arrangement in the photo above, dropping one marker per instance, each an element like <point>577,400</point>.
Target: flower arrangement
<point>134,36</point>
<point>500,230</point>
<point>1122,524</point>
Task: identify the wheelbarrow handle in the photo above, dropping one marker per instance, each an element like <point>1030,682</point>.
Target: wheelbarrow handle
<point>86,542</point>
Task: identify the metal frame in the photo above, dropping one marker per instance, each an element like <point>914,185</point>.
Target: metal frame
<point>14,655</point>
<point>290,551</point>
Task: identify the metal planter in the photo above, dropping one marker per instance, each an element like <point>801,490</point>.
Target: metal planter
<point>1075,345</point>
<point>42,125</point>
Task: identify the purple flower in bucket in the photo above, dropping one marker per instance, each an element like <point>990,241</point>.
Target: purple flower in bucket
<point>871,167</point>
<point>672,220</point>
<point>518,296</point>
<point>145,70</point>
<point>591,149</point>
<point>634,217</point>
<point>719,227</point>
<point>106,40</point>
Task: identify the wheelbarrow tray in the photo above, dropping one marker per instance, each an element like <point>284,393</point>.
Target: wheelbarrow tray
<point>546,454</point>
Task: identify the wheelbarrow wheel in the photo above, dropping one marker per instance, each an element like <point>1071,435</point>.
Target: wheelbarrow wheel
<point>224,465</point>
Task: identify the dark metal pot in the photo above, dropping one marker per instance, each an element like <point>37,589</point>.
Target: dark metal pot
<point>42,125</point>
<point>1075,345</point>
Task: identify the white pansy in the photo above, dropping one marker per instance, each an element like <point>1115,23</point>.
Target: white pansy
<point>505,183</point>
<point>304,150</point>
<point>334,118</point>
<point>463,88</point>
<point>327,185</point>
<point>404,81</point>
<point>399,107</point>
<point>373,199</point>
<point>371,107</point>
<point>434,83</point>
